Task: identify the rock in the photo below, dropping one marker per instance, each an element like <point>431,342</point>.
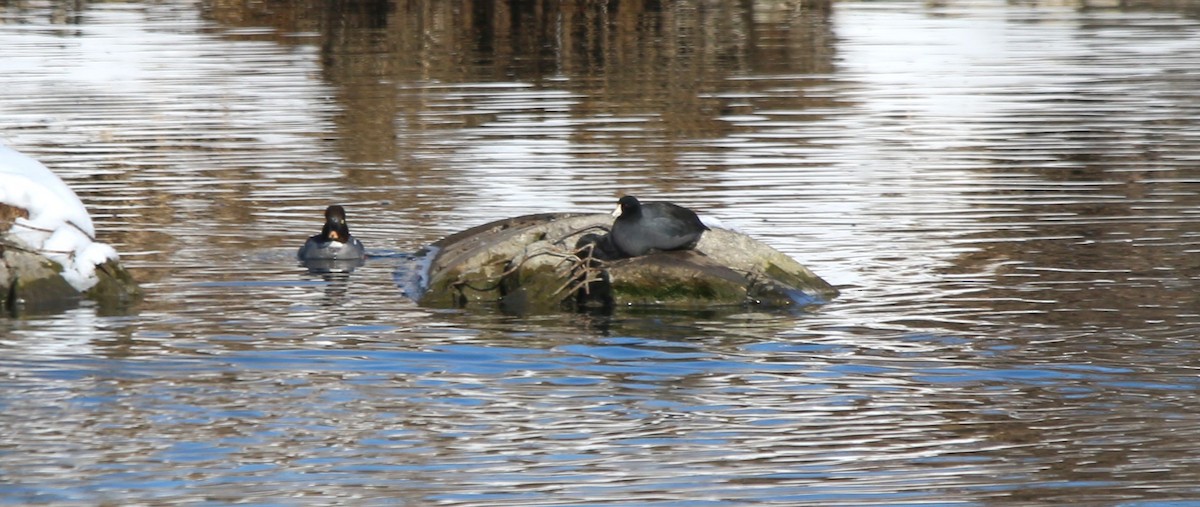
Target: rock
<point>49,256</point>
<point>528,264</point>
<point>116,289</point>
<point>32,283</point>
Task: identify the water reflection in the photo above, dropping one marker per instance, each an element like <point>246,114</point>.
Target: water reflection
<point>661,68</point>
<point>1081,203</point>
<point>331,266</point>
<point>1005,191</point>
<point>64,333</point>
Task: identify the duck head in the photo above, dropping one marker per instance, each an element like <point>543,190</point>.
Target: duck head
<point>335,228</point>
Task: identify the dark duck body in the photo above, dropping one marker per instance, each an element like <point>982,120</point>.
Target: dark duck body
<point>641,227</point>
<point>597,246</point>
<point>334,242</point>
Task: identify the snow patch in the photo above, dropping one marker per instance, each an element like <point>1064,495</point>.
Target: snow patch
<point>58,226</point>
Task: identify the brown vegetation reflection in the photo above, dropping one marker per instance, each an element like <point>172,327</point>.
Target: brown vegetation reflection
<point>1113,243</point>
<point>653,59</point>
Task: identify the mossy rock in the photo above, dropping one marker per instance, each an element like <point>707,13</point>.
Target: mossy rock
<point>528,264</point>
<point>676,279</point>
<point>116,289</point>
<point>32,284</point>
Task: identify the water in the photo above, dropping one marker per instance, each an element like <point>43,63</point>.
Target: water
<point>1006,194</point>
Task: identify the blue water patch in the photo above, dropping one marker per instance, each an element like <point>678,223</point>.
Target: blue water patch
<point>620,353</point>
<point>803,299</point>
<point>194,452</point>
<point>462,401</point>
<point>1093,368</point>
<point>488,353</point>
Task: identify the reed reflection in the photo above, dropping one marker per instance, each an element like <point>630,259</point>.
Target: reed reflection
<point>664,62</point>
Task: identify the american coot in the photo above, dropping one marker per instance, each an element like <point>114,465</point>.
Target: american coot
<point>644,226</point>
<point>334,242</point>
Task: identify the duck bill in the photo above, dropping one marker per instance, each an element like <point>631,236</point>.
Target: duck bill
<point>333,235</point>
<point>617,212</point>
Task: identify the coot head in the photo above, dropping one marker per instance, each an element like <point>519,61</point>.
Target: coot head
<point>627,205</point>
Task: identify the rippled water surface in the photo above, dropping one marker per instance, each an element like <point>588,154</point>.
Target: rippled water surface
<point>1007,195</point>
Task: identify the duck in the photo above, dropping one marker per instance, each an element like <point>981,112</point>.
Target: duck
<point>334,242</point>
<point>641,227</point>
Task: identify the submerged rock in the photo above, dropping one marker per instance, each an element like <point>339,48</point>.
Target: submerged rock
<point>529,264</point>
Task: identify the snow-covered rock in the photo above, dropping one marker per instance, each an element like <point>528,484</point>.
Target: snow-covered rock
<point>54,223</point>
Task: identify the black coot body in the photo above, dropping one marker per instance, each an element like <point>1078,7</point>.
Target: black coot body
<point>644,226</point>
<point>602,247</point>
<point>334,242</point>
